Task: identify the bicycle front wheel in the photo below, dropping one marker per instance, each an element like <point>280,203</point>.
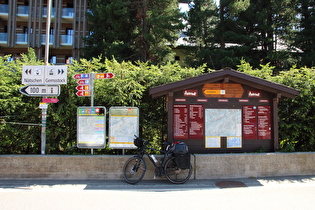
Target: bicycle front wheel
<point>134,170</point>
<point>176,175</point>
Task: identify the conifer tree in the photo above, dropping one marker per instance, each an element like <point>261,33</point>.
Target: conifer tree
<point>133,29</point>
<point>305,37</point>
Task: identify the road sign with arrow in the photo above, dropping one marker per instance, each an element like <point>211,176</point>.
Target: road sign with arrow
<point>40,90</point>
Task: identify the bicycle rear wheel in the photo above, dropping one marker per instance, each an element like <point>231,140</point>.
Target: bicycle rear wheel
<point>134,170</point>
<point>176,175</point>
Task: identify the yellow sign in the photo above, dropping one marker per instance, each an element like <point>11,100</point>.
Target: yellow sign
<point>214,92</point>
<point>223,90</point>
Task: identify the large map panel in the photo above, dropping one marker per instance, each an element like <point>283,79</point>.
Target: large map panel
<point>123,126</point>
<point>91,127</point>
<point>223,123</point>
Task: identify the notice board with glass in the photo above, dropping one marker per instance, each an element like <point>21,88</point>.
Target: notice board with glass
<point>188,121</point>
<point>91,127</point>
<point>257,122</point>
<point>223,123</point>
<point>123,126</point>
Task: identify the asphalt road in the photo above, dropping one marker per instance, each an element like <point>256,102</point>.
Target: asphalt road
<point>263,193</point>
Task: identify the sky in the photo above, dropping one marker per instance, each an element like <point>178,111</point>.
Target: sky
<point>184,7</point>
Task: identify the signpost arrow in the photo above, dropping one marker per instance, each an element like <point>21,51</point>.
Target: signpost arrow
<point>83,82</point>
<point>40,90</point>
<point>81,76</point>
<point>50,100</point>
<point>104,75</point>
<point>83,87</point>
<point>83,93</point>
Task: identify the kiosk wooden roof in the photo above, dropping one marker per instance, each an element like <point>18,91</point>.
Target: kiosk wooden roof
<point>226,74</point>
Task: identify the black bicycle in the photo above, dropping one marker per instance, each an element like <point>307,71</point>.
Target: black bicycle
<point>174,165</point>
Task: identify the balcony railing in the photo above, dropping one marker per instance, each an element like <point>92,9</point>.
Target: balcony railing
<point>66,40</point>
<point>4,8</point>
<point>3,37</point>
<point>21,38</point>
<point>68,12</point>
<point>23,10</point>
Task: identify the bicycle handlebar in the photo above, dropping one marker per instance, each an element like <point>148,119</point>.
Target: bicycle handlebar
<point>146,144</point>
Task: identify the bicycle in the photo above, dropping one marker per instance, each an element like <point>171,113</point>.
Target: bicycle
<point>175,167</point>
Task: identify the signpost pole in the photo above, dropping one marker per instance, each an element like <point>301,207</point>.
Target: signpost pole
<point>43,134</point>
<point>92,88</point>
<point>44,111</point>
<point>47,31</point>
<point>92,97</point>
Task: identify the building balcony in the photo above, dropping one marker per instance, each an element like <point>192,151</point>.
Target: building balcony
<point>22,39</point>
<point>3,38</point>
<point>22,11</point>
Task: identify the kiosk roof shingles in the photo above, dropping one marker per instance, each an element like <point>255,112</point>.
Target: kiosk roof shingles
<point>228,75</point>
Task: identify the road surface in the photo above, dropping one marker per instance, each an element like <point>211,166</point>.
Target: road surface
<point>265,193</point>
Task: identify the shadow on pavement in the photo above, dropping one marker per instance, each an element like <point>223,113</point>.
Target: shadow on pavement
<point>149,185</point>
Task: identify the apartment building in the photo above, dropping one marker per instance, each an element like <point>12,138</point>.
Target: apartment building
<point>23,26</point>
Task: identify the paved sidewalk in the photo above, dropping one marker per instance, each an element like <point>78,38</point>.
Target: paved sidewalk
<point>274,193</point>
<point>151,185</point>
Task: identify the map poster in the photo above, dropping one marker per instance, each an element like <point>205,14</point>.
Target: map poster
<point>180,122</point>
<point>123,126</point>
<point>264,122</point>
<point>91,127</point>
<point>223,123</point>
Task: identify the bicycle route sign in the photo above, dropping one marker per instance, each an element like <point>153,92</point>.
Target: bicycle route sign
<point>91,127</point>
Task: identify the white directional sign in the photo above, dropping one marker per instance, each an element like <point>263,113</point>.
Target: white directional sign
<point>40,90</point>
<point>56,75</point>
<point>44,75</point>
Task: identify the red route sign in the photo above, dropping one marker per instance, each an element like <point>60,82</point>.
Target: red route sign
<point>81,76</point>
<point>83,93</point>
<point>83,87</point>
<point>83,82</point>
<point>104,75</point>
<point>50,100</point>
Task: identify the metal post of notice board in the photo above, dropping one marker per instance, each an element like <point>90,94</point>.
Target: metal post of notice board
<point>44,107</point>
<point>92,97</point>
<point>43,138</point>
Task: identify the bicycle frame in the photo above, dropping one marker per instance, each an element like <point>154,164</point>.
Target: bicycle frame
<point>159,165</point>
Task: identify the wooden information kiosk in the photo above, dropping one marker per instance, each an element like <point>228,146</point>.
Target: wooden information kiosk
<point>224,111</point>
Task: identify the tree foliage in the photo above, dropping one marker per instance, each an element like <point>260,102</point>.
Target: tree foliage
<point>133,30</point>
<point>296,116</point>
<point>261,31</point>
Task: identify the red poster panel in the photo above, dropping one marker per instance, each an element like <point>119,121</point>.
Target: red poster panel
<point>264,122</point>
<point>249,122</point>
<point>180,124</point>
<point>196,122</point>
